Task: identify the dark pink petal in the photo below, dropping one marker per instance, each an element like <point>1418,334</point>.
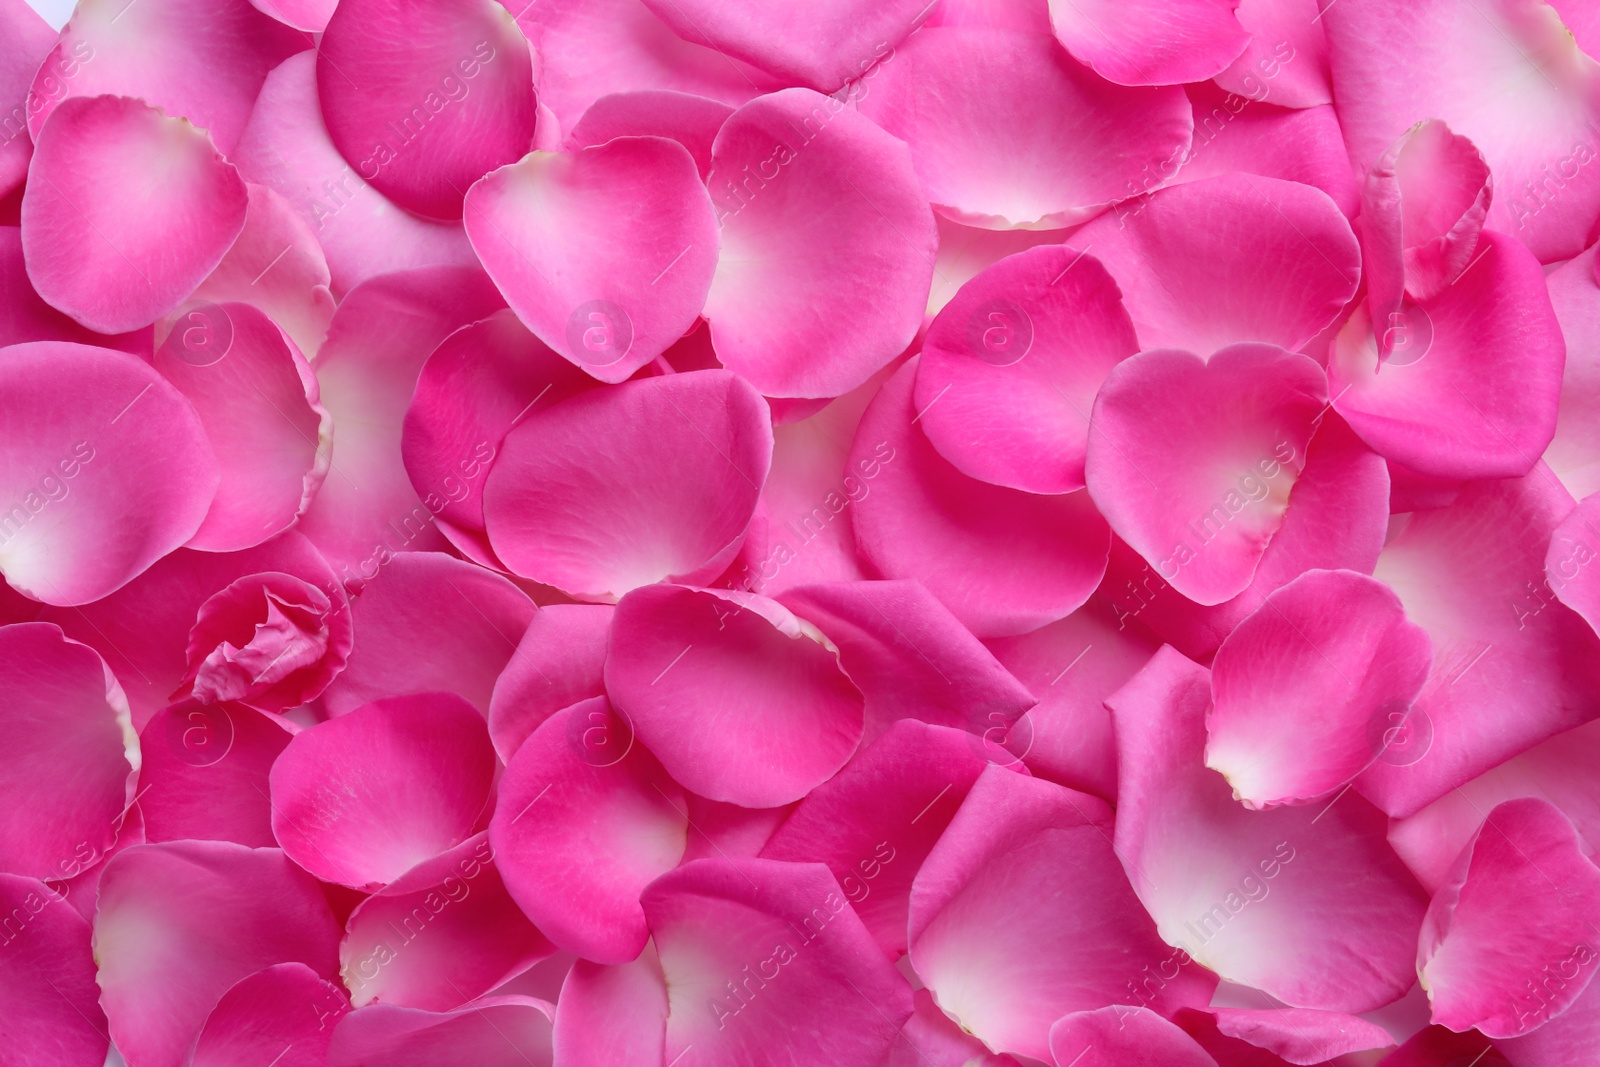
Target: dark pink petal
<point>1573,547</point>
<point>287,1011</point>
<point>441,934</point>
<point>1003,561</point>
<point>203,773</point>
<point>508,1031</point>
<point>626,486</point>
<point>608,289</point>
<point>1297,1035</point>
<point>1022,914</point>
<point>821,45</point>
<point>127,212</point>
<point>363,798</point>
<point>66,775</point>
<point>728,831</point>
<point>1434,1046</point>
<point>179,923</point>
<point>25,41</point>
<point>1508,941</point>
<point>1021,352</point>
<point>1236,258</point>
<point>1151,42</point>
<point>1286,61</point>
<point>1511,665</point>
<point>287,148</point>
<point>818,208</point>
<point>1574,454</point>
<point>1036,140</point>
<point>910,657</point>
<point>1309,906</point>
<point>692,121</point>
<point>1306,687</point>
<point>1192,461</point>
<point>585,820</point>
<point>1394,66</point>
<point>423,99</point>
<point>739,699</point>
<point>876,821</point>
<point>29,318</point>
<point>767,962</point>
<point>106,469</point>
<point>559,661</point>
<point>200,59</point>
<point>431,623</point>
<point>47,980</point>
<point>612,1015</point>
<point>1123,1036</point>
<point>367,510</point>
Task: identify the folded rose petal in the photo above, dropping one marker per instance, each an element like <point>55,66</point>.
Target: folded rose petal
<point>625,486</point>
<point>818,207</point>
<point>107,469</point>
<point>612,1015</point>
<point>1237,258</point>
<point>1151,42</point>
<point>559,661</point>
<point>286,147</point>
<point>441,934</point>
<point>739,699</point>
<point>1286,61</point>
<point>27,39</point>
<point>1022,914</point>
<point>1192,461</point>
<point>201,59</point>
<point>691,120</point>
<point>1509,938</point>
<point>203,773</point>
<point>423,99</point>
<point>1305,686</point>
<point>767,962</point>
<point>1309,906</point>
<point>47,974</point>
<point>1021,352</point>
<point>609,289</point>
<point>586,819</point>
<point>505,1031</point>
<point>1574,454</point>
<point>1036,141</point>
<point>286,1010</point>
<point>127,212</point>
<point>1123,1036</point>
<point>1295,1035</point>
<point>179,923</point>
<point>363,798</point>
<point>1003,561</point>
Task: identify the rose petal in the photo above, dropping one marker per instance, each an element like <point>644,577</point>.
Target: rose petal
<point>1151,42</point>
<point>47,973</point>
<point>692,121</point>
<point>286,1010</point>
<point>1123,1036</point>
<point>203,773</point>
<point>507,1031</point>
<point>559,661</point>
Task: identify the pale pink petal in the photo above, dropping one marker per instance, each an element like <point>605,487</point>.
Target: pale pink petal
<point>25,41</point>
<point>1307,905</point>
<point>1006,129</point>
<point>739,699</point>
<point>609,1016</point>
<point>1286,61</point>
<point>1003,561</point>
<point>1236,258</point>
<point>1574,454</point>
<point>287,1011</point>
<point>964,251</point>
<point>127,212</point>
<point>692,121</point>
<point>47,980</point>
<point>559,661</point>
<point>441,934</point>
<point>1022,914</point>
<point>1192,461</point>
<point>107,469</point>
<point>585,820</point>
<point>625,486</point>
<point>818,207</point>
<point>766,962</point>
<point>203,773</point>
<point>363,798</point>
<point>608,289</point>
<point>1296,1035</point>
<point>179,923</point>
<point>1123,1036</point>
<point>1151,42</point>
<point>505,1031</point>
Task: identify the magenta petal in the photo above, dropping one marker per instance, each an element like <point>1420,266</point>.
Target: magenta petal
<point>1003,561</point>
<point>29,318</point>
<point>363,798</point>
<point>423,99</point>
<point>25,41</point>
<point>443,933</point>
<point>608,289</point>
<point>692,121</point>
<point>1123,1036</point>
<point>107,469</point>
<point>508,1031</point>
<point>625,486</point>
<point>1573,547</point>
<point>586,819</point>
<point>1296,1035</point>
<point>1022,914</point>
<point>818,207</point>
<point>739,699</point>
<point>612,1015</point>
<point>203,773</point>
<point>1151,42</point>
<point>179,923</point>
<point>1286,61</point>
<point>286,1011</point>
<point>767,962</point>
<point>559,661</point>
<point>47,980</point>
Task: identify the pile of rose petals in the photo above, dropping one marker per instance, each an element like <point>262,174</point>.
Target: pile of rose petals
<point>855,533</point>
